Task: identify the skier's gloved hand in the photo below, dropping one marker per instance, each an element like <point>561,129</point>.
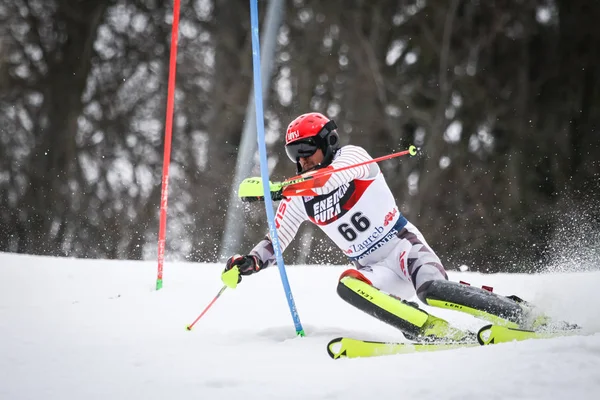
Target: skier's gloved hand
<point>237,266</point>
<point>246,264</point>
<point>277,194</point>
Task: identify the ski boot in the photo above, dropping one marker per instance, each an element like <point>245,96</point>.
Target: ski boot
<point>535,320</point>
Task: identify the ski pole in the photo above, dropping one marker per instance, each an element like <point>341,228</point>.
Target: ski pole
<point>301,182</point>
<point>190,326</point>
<point>251,188</point>
<point>412,150</point>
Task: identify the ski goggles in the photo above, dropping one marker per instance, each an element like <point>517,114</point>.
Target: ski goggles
<point>301,149</point>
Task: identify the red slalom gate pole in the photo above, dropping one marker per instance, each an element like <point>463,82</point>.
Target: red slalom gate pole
<point>162,230</point>
<point>190,326</point>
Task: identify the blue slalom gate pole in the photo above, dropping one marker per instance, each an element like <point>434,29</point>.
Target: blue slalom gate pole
<point>264,169</point>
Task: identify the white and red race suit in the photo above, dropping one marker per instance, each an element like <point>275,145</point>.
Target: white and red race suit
<point>357,210</point>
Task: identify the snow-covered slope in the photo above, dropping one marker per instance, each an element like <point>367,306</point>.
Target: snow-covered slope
<point>92,329</point>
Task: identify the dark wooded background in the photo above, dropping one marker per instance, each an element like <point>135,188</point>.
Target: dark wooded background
<point>503,97</point>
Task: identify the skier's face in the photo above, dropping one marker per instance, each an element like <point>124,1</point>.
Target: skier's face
<point>312,161</point>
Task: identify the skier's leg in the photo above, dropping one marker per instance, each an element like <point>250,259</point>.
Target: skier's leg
<point>474,301</point>
<point>433,287</point>
<point>358,290</point>
<point>418,261</point>
<point>510,311</point>
<point>378,290</point>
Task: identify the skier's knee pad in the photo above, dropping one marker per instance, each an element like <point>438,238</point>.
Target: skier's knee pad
<point>350,290</point>
<point>353,273</point>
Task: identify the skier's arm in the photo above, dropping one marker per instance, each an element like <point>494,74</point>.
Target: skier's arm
<point>349,155</point>
<point>290,215</point>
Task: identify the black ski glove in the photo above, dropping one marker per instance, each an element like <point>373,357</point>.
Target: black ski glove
<point>237,266</point>
<point>247,265</point>
<point>277,195</point>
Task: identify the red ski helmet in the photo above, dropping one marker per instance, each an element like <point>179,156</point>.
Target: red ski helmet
<point>308,133</point>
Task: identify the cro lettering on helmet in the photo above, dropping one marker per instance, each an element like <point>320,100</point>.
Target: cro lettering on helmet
<point>293,135</point>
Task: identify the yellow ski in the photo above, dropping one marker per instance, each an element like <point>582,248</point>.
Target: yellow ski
<point>493,334</point>
<point>344,347</point>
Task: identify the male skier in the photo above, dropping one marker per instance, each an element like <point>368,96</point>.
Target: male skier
<point>393,261</point>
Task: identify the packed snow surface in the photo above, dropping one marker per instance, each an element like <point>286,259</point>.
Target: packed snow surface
<point>96,329</point>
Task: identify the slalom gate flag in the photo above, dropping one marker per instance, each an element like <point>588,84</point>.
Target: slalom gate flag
<point>264,170</point>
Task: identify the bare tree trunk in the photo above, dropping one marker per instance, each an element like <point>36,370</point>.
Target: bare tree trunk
<point>51,164</point>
